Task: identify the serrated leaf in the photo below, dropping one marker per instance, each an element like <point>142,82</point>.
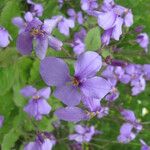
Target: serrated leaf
<point>92,40</point>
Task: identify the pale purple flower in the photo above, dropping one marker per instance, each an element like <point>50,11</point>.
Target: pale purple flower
<point>43,141</point>
<point>143,40</point>
<point>36,8</point>
<point>64,26</point>
<point>75,16</point>
<point>131,128</point>
<point>38,105</point>
<point>22,23</point>
<point>78,44</point>
<point>113,95</point>
<point>69,90</point>
<point>126,133</point>
<point>40,33</point>
<point>1,120</point>
<point>89,5</point>
<point>4,37</point>
<point>129,117</point>
<point>144,145</point>
<point>138,85</point>
<point>111,19</point>
<point>71,114</point>
<point>121,75</point>
<point>146,70</point>
<point>83,134</point>
<point>95,108</point>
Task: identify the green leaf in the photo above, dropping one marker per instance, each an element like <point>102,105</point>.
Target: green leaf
<point>24,65</point>
<point>10,138</point>
<point>10,10</point>
<point>92,39</point>
<point>8,56</point>
<point>17,97</point>
<point>7,77</point>
<point>34,72</point>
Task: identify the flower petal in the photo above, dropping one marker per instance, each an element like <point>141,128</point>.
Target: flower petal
<point>41,47</point>
<point>96,87</point>
<point>55,43</point>
<point>87,65</point>
<point>4,37</point>
<point>44,92</point>
<point>69,95</point>
<point>128,20</point>
<point>106,20</point>
<point>24,43</point>
<point>71,114</point>
<point>18,21</point>
<point>117,31</point>
<point>50,24</point>
<point>54,71</point>
<point>43,107</point>
<point>28,91</point>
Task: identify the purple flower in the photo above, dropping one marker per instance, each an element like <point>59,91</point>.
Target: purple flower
<point>40,33</point>
<point>36,9</point>
<point>64,25</point>
<point>37,106</point>
<point>75,16</point>
<point>4,37</point>
<point>83,134</point>
<point>1,120</point>
<point>143,40</point>
<point>95,108</point>
<point>121,75</point>
<point>138,85</point>
<point>129,116</point>
<point>144,145</point>
<point>22,23</point>
<point>139,29</point>
<point>111,19</point>
<point>89,5</point>
<point>146,70</point>
<point>126,134</point>
<point>69,90</point>
<point>71,114</point>
<point>114,93</point>
<point>76,146</point>
<point>130,129</point>
<point>78,44</point>
<point>42,142</point>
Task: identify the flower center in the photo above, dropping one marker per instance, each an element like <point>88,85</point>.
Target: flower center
<point>75,81</point>
<point>36,32</point>
<point>36,97</point>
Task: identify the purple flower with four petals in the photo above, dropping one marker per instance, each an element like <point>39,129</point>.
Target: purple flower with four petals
<point>38,34</point>
<point>70,90</point>
<point>38,105</point>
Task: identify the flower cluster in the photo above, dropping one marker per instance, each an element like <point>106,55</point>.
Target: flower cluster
<point>134,74</point>
<point>131,128</point>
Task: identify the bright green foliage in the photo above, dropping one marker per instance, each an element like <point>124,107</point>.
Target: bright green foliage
<point>92,39</point>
